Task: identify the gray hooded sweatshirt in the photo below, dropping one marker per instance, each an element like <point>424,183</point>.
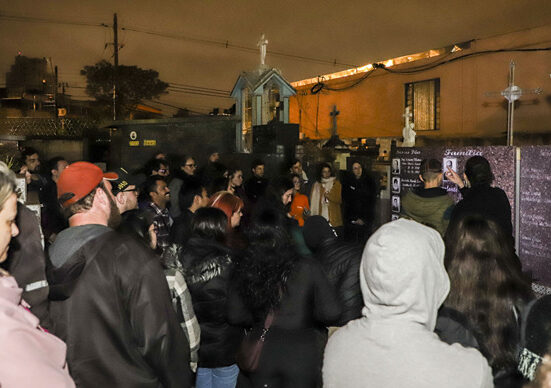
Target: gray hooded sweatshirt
<point>403,282</point>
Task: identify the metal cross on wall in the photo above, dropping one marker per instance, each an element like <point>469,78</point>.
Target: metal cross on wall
<point>512,93</point>
<point>334,113</point>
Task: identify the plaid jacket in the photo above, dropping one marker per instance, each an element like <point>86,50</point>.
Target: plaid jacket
<point>181,300</point>
<point>162,222</point>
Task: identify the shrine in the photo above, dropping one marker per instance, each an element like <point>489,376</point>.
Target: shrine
<point>262,97</point>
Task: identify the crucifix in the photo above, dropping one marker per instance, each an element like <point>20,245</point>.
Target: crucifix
<point>262,43</point>
<point>334,113</point>
<point>512,93</point>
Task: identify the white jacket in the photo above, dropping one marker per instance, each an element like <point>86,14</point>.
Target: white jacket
<point>393,345</point>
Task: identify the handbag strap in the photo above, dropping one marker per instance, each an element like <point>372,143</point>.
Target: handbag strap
<point>269,320</point>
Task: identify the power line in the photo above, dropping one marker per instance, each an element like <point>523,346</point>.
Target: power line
<point>198,93</point>
<point>197,87</point>
<point>18,18</point>
<point>225,93</point>
<point>226,44</point>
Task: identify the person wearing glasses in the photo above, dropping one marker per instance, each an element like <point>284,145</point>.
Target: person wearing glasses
<point>184,172</point>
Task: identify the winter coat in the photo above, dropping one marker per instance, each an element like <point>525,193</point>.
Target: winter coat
<point>358,198</point>
<point>403,282</point>
<point>431,207</point>
<point>334,199</point>
<point>30,357</point>
<point>111,304</point>
<point>207,270</point>
<point>27,263</point>
<point>341,263</point>
<point>490,202</point>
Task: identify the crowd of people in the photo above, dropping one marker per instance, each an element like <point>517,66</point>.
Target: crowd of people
<point>159,277</point>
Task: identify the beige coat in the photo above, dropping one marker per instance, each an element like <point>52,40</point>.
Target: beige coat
<point>334,205</point>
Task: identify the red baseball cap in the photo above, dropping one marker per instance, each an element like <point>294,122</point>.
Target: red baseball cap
<point>78,180</point>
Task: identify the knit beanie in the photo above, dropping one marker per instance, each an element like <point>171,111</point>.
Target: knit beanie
<point>316,230</point>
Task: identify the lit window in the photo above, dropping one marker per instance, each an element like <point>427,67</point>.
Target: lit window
<point>423,100</point>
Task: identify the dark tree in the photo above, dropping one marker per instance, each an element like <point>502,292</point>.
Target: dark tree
<point>133,86</point>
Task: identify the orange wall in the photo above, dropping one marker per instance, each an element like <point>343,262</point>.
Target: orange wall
<point>375,107</point>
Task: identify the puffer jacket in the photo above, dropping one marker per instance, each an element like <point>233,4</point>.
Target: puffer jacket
<point>207,270</point>
<point>341,263</point>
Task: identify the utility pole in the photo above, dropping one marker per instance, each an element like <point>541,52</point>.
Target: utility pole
<point>116,66</point>
<point>55,90</point>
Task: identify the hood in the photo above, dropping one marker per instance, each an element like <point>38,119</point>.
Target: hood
<point>402,274</point>
<point>9,290</point>
<point>317,230</point>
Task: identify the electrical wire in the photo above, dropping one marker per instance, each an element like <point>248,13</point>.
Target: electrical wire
<point>18,18</point>
<point>440,63</point>
<point>320,86</point>
<point>226,44</point>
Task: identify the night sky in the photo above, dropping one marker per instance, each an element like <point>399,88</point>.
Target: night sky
<point>185,40</point>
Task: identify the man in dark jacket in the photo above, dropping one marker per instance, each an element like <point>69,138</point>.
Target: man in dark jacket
<point>340,262</point>
<point>256,186</point>
<point>109,297</point>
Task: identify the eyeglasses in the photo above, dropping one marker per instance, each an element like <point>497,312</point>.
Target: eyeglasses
<point>191,165</point>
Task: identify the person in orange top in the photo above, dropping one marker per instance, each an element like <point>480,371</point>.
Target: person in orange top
<point>300,208</point>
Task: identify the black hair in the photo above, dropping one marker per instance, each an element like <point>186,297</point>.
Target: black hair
<point>486,280</point>
<point>276,189</point>
<point>150,184</point>
<point>52,163</point>
<point>190,188</point>
<point>136,223</point>
<point>430,168</point>
<point>478,171</point>
<point>321,167</point>
<point>28,151</point>
<point>256,163</point>
<point>261,274</point>
<point>154,165</point>
<point>209,223</point>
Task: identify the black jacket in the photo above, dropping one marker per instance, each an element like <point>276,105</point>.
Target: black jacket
<point>27,263</point>
<point>111,304</point>
<point>207,270</point>
<point>490,202</point>
<point>341,263</point>
<point>255,188</point>
<point>358,197</point>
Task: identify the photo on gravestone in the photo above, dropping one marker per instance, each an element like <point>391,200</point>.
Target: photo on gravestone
<point>535,215</point>
<point>396,185</point>
<point>501,159</point>
<point>448,163</point>
<point>396,203</point>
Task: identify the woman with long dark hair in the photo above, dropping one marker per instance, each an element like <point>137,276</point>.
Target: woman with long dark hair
<point>270,277</point>
<point>479,197</point>
<point>487,294</point>
<point>207,267</point>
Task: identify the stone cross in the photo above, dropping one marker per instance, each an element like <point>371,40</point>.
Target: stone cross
<point>262,43</point>
<point>334,113</point>
<point>512,93</point>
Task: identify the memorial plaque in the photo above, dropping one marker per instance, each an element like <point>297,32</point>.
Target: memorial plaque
<point>406,163</point>
<point>535,215</point>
